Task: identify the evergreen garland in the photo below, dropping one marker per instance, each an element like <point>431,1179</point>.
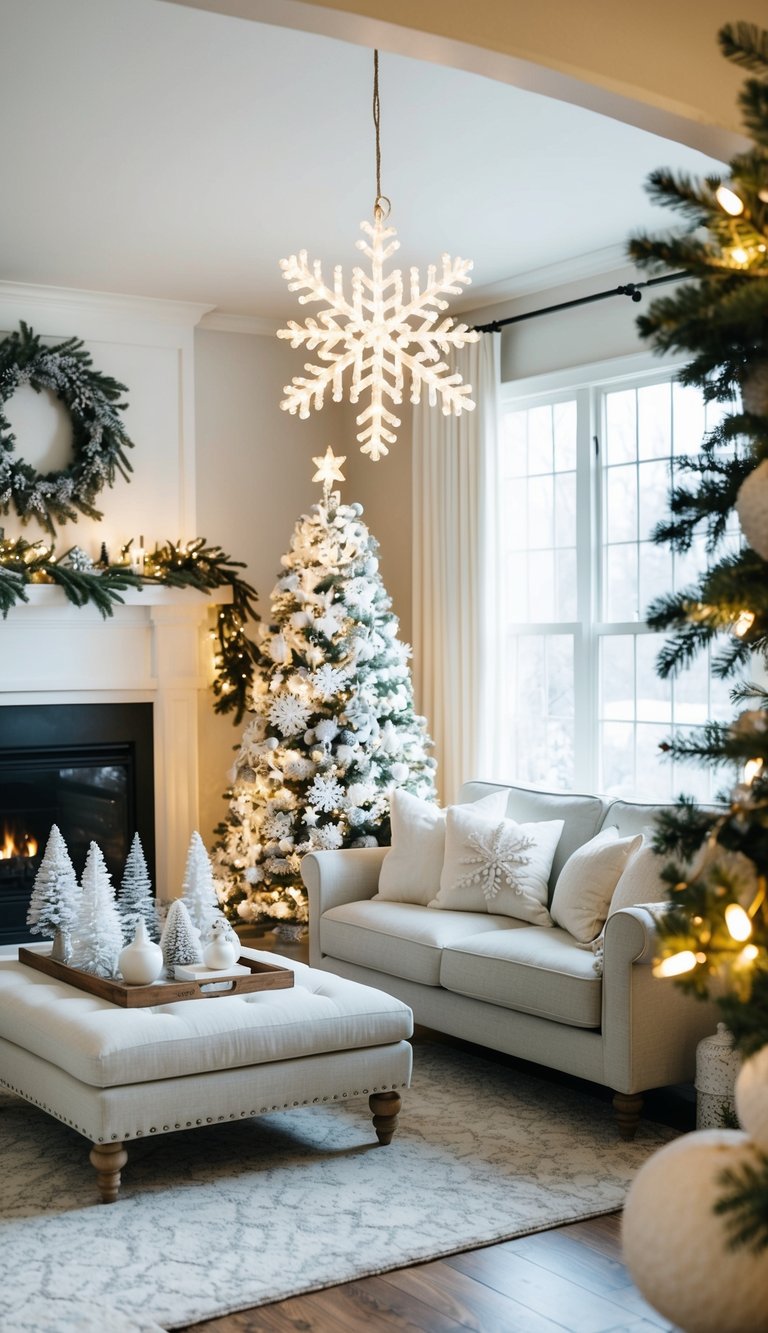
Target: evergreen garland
<point>174,565</point>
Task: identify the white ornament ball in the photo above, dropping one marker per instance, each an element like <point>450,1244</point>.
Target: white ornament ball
<point>752,1097</point>
<point>676,1247</point>
<point>400,772</point>
<point>752,508</point>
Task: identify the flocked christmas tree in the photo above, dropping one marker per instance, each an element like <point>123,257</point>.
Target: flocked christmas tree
<point>98,931</point>
<point>718,925</point>
<point>198,890</point>
<point>55,902</point>
<point>136,899</point>
<point>332,726</point>
<point>180,941</point>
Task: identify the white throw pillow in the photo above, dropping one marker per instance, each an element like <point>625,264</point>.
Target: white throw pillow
<point>410,871</point>
<point>587,881</point>
<point>497,865</point>
<point>640,880</point>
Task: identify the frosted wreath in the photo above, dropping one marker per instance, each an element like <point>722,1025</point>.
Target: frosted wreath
<point>99,440</point>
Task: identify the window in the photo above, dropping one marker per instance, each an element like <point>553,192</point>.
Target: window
<point>584,473</point>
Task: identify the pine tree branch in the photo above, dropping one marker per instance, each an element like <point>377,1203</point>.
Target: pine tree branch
<point>745,44</point>
<point>744,1205</point>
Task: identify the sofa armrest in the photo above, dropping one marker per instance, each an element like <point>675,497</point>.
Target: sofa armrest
<point>631,935</point>
<point>651,1027</point>
<point>335,878</point>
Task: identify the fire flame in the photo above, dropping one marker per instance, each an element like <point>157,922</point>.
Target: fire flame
<point>9,847</point>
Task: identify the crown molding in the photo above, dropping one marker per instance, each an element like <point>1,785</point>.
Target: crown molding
<point>108,305</point>
<point>221,322</point>
<point>594,263</point>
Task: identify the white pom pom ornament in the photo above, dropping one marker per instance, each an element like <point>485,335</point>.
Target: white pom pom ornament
<point>676,1246</point>
<point>752,508</point>
<point>752,1097</point>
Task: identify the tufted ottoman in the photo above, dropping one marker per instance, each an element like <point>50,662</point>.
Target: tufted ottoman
<point>116,1074</point>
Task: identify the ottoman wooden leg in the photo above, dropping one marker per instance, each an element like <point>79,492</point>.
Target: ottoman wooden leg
<point>109,1160</point>
<point>386,1108</point>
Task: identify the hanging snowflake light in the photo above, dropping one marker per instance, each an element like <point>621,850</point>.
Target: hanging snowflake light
<point>378,332</point>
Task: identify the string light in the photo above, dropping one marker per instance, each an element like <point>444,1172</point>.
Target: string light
<point>738,922</point>
<point>752,769</point>
<point>676,964</point>
<point>744,622</point>
<point>729,201</point>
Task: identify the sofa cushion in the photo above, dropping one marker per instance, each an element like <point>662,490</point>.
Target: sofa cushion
<point>106,1046</point>
<point>586,883</point>
<point>583,815</point>
<point>402,939</point>
<point>497,865</point>
<point>533,970</point>
<point>410,871</point>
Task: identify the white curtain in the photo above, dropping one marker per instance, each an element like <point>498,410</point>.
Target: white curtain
<point>453,593</point>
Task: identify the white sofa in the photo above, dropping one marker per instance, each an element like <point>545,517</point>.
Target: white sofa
<point>530,991</point>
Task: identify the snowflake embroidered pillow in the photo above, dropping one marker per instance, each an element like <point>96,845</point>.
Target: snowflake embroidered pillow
<point>410,871</point>
<point>497,866</point>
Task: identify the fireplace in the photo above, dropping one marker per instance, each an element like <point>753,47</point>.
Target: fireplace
<point>87,768</point>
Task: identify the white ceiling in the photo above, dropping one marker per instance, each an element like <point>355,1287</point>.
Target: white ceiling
<point>156,150</point>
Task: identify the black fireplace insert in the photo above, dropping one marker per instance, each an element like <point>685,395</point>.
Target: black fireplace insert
<point>88,768</point>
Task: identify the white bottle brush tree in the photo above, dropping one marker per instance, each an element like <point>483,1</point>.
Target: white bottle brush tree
<point>180,942</point>
<point>98,932</point>
<point>136,901</point>
<point>199,890</point>
<point>54,905</point>
<point>332,727</point>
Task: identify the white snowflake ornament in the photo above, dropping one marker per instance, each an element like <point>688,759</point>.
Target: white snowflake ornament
<point>371,333</point>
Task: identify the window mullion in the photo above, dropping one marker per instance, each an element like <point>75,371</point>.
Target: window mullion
<point>584,654</point>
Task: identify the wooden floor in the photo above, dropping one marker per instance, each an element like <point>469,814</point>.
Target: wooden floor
<point>571,1278</point>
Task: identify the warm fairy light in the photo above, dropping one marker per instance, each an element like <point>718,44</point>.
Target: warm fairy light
<point>738,922</point>
<point>739,255</point>
<point>729,201</point>
<point>748,955</point>
<point>752,769</point>
<point>744,621</point>
<point>676,964</point>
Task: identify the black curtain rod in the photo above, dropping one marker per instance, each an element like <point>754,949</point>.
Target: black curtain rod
<point>631,289</point>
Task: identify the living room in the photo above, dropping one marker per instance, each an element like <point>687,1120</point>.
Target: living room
<point>169,154</point>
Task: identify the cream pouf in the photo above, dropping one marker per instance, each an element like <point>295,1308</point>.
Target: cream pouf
<point>676,1247</point>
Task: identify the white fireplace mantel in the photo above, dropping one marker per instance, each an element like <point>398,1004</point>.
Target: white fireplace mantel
<point>155,648</point>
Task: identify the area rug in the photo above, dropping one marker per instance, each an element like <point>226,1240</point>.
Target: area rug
<point>218,1219</point>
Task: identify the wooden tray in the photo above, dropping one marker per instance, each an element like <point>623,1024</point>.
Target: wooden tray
<point>264,976</point>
